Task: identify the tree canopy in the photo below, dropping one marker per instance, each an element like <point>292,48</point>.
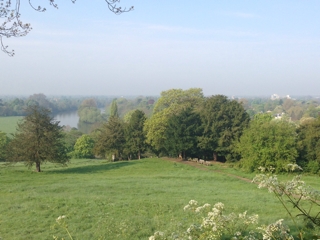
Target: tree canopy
<point>171,102</point>
<point>111,138</point>
<point>223,121</point>
<point>134,134</point>
<point>308,145</point>
<point>182,133</point>
<point>89,112</point>
<point>83,147</point>
<point>268,142</point>
<point>38,139</point>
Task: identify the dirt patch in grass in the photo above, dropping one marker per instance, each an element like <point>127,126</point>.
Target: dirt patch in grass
<point>207,168</point>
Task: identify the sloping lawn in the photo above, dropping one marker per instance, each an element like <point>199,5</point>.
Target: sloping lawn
<point>121,200</point>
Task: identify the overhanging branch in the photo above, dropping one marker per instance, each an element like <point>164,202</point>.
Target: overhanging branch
<point>14,27</point>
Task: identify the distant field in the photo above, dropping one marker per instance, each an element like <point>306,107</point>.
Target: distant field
<point>9,124</point>
<point>121,200</point>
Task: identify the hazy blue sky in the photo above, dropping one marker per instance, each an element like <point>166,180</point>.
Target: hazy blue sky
<point>239,47</point>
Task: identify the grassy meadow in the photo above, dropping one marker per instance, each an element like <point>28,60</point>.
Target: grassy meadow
<point>9,124</point>
<point>121,200</point>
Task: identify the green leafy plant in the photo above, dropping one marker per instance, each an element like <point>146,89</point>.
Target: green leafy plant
<point>293,193</point>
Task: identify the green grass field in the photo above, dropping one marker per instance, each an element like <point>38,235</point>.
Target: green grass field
<point>121,200</point>
<point>9,124</point>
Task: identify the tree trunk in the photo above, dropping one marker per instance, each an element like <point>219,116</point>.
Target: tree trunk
<point>215,156</point>
<point>38,167</point>
<point>139,155</point>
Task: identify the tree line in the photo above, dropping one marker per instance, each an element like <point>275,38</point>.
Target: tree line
<point>17,106</point>
<point>185,124</point>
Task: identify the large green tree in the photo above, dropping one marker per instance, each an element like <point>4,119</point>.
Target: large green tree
<point>268,142</point>
<point>308,145</point>
<point>171,102</point>
<point>182,133</point>
<point>135,136</point>
<point>89,112</point>
<point>38,139</point>
<point>223,121</point>
<point>110,138</point>
<point>83,147</point>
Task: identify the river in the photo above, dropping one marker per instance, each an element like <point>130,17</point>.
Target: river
<point>72,119</point>
<point>68,118</point>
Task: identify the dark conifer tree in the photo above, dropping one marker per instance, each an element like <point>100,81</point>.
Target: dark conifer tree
<point>223,121</point>
<point>135,136</point>
<point>182,134</point>
<point>38,139</point>
<point>111,138</point>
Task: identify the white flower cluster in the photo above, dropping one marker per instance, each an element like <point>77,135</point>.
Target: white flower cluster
<point>294,167</point>
<point>202,208</point>
<point>267,181</point>
<point>192,205</point>
<point>157,235</point>
<point>215,225</point>
<point>60,218</point>
<point>276,230</point>
<point>292,193</point>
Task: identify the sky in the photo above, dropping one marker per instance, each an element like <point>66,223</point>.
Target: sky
<point>234,47</point>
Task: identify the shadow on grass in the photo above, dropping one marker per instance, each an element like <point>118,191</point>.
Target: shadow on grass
<point>92,168</point>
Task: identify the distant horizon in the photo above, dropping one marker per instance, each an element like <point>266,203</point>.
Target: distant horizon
<point>157,96</point>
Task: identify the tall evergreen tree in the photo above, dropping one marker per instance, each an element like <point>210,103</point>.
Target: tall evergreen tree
<point>135,136</point>
<point>182,133</point>
<point>111,138</point>
<point>223,121</point>
<point>38,139</point>
<point>114,109</point>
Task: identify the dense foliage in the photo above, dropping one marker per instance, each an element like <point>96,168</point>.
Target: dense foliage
<point>223,121</point>
<point>88,112</point>
<point>126,105</point>
<point>187,124</point>
<point>308,145</point>
<point>268,142</point>
<point>134,134</point>
<point>38,139</point>
<point>83,147</point>
<point>110,138</point>
<point>182,133</point>
<point>4,140</point>
<point>170,103</point>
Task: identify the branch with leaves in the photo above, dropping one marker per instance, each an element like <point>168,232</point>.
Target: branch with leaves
<point>12,26</point>
<point>294,193</point>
